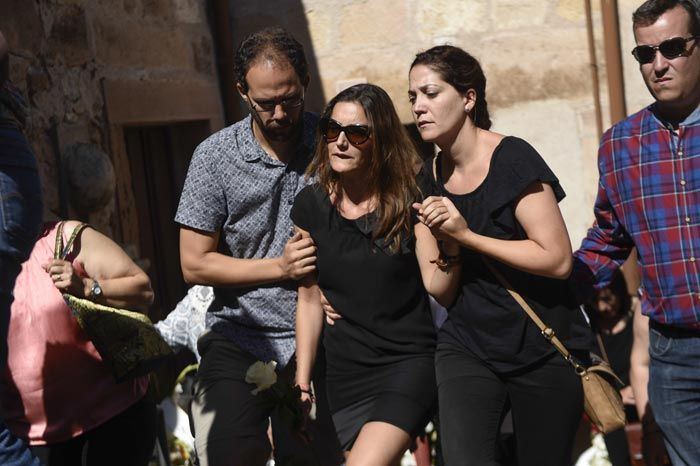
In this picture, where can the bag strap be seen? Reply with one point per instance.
(58, 248)
(602, 347)
(547, 332)
(61, 251)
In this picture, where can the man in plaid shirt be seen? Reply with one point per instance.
(649, 197)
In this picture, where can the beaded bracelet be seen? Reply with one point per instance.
(444, 262)
(308, 391)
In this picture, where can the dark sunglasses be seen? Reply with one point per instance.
(331, 129)
(670, 48)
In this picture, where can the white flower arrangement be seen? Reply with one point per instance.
(262, 374)
(596, 455)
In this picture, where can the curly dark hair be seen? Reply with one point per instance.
(649, 11)
(274, 44)
(461, 71)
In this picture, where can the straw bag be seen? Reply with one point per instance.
(127, 341)
(601, 395)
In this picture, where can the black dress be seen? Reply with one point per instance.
(490, 355)
(485, 318)
(380, 356)
(618, 348)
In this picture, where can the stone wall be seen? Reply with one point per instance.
(63, 51)
(534, 53)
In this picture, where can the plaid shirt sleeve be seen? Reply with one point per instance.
(606, 245)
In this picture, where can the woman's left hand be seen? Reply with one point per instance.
(627, 395)
(64, 277)
(442, 217)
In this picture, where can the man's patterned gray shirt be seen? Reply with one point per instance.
(235, 187)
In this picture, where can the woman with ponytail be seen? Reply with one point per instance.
(501, 208)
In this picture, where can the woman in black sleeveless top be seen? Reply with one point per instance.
(490, 357)
(611, 315)
(374, 266)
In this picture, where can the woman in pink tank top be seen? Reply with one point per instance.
(57, 392)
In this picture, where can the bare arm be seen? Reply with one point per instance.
(547, 249)
(309, 324)
(123, 283)
(639, 360)
(442, 284)
(202, 264)
(653, 448)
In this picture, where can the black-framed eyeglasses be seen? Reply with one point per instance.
(670, 48)
(331, 129)
(269, 106)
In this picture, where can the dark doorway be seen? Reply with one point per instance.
(159, 157)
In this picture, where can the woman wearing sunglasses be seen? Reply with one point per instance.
(375, 261)
(490, 357)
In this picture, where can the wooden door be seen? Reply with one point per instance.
(159, 157)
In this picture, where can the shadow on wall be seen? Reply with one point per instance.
(250, 16)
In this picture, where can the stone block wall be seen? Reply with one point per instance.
(62, 51)
(534, 53)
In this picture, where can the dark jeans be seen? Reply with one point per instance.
(674, 390)
(546, 402)
(20, 221)
(126, 439)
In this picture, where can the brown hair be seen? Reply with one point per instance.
(391, 174)
(618, 287)
(650, 11)
(274, 44)
(461, 71)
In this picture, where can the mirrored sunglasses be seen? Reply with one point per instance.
(670, 48)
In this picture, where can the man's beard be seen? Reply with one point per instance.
(279, 131)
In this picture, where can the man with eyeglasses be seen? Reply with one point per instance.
(649, 197)
(236, 236)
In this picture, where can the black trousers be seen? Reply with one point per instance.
(616, 441)
(127, 438)
(546, 401)
(231, 422)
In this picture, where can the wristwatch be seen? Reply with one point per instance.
(95, 289)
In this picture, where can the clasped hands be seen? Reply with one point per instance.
(442, 217)
(446, 224)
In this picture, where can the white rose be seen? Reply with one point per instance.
(600, 457)
(262, 374)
